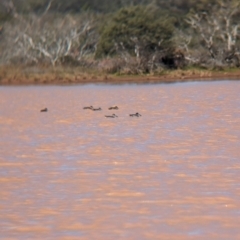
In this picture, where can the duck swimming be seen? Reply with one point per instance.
(44, 110)
(113, 108)
(96, 109)
(111, 116)
(90, 107)
(135, 115)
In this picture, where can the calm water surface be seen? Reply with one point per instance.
(72, 174)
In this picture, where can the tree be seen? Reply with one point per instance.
(49, 39)
(140, 35)
(138, 30)
(219, 31)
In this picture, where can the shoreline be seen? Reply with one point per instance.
(68, 76)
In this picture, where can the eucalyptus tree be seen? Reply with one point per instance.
(217, 31)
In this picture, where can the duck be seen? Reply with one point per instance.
(90, 107)
(135, 115)
(113, 108)
(111, 116)
(96, 109)
(44, 110)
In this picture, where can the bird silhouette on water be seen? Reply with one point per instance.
(135, 115)
(44, 110)
(96, 109)
(111, 116)
(90, 107)
(113, 108)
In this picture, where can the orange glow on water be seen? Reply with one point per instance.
(71, 173)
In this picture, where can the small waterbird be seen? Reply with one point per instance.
(111, 116)
(44, 110)
(113, 108)
(135, 115)
(96, 109)
(90, 107)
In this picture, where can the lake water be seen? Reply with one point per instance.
(69, 173)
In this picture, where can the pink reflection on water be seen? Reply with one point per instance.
(71, 173)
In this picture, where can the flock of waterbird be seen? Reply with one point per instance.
(111, 108)
(99, 109)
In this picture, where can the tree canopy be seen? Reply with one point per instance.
(136, 28)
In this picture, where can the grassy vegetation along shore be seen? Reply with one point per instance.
(70, 75)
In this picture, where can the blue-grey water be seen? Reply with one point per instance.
(69, 173)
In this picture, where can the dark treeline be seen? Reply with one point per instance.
(126, 36)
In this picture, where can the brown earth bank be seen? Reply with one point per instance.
(66, 76)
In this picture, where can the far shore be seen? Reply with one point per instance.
(66, 76)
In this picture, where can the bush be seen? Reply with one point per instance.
(137, 30)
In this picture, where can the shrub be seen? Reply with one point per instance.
(138, 30)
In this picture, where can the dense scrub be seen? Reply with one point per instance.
(135, 29)
(129, 37)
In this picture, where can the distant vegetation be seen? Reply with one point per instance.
(121, 36)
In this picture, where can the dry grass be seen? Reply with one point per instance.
(10, 75)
